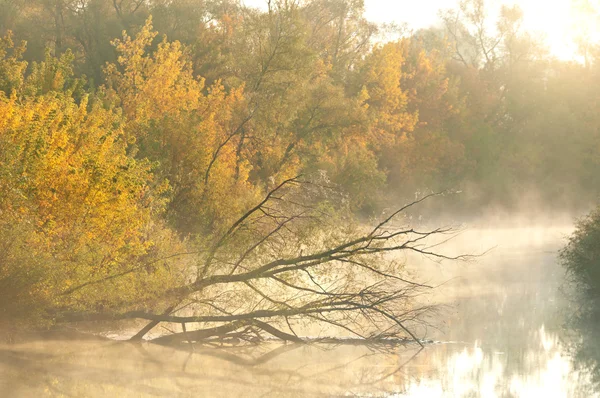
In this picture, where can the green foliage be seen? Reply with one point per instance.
(581, 259)
(581, 256)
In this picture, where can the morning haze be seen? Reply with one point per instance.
(299, 198)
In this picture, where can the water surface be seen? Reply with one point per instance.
(503, 333)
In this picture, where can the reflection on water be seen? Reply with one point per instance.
(544, 370)
(502, 335)
(99, 369)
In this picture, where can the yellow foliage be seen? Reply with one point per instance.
(189, 129)
(383, 76)
(83, 206)
(12, 67)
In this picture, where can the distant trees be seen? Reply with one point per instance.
(518, 125)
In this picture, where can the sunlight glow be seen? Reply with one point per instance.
(552, 20)
(546, 372)
(560, 23)
(556, 21)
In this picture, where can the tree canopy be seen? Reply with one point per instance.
(158, 157)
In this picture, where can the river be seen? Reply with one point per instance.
(502, 332)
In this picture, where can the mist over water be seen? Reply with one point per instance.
(203, 198)
(502, 331)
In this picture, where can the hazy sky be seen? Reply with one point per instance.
(551, 18)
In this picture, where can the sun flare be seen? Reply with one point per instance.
(562, 23)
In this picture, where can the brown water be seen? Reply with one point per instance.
(502, 335)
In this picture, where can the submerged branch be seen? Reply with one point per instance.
(259, 274)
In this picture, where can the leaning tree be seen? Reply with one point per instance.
(294, 263)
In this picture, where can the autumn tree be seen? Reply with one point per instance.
(150, 155)
(75, 206)
(297, 262)
(191, 132)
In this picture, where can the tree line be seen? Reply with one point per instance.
(155, 153)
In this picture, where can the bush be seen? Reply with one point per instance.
(581, 256)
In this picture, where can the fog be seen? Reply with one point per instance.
(201, 197)
(500, 332)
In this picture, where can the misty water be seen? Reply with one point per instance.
(503, 332)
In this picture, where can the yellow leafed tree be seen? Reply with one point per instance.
(76, 209)
(192, 132)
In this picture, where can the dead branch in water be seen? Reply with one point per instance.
(290, 261)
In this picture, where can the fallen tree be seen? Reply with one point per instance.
(293, 265)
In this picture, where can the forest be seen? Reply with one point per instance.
(203, 162)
